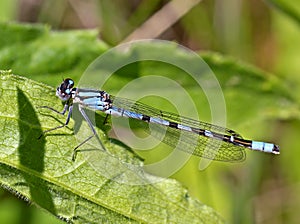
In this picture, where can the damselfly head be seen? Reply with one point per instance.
(64, 91)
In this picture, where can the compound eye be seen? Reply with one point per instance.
(64, 91)
(69, 82)
(66, 86)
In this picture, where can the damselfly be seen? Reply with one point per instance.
(200, 138)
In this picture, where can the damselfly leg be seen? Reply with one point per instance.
(84, 115)
(66, 107)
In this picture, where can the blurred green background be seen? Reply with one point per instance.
(263, 189)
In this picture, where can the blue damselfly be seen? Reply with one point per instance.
(200, 139)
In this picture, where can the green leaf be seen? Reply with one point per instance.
(45, 55)
(287, 8)
(41, 170)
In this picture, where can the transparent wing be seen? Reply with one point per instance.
(189, 142)
(198, 145)
(144, 109)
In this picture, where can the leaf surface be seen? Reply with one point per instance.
(41, 170)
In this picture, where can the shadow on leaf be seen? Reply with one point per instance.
(31, 152)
